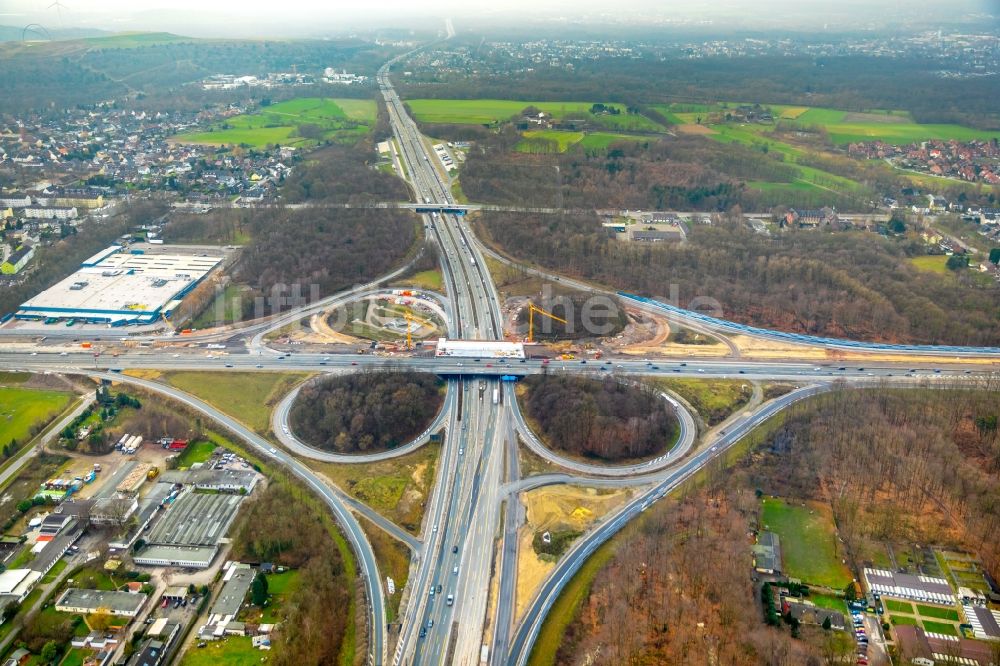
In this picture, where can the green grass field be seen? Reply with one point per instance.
(939, 612)
(431, 279)
(808, 542)
(714, 400)
(21, 408)
(538, 140)
(933, 263)
(196, 452)
(940, 628)
(339, 119)
(247, 396)
(601, 140)
(828, 601)
(896, 606)
(905, 619)
(232, 651)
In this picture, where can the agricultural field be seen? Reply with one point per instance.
(21, 408)
(285, 123)
(843, 127)
(808, 541)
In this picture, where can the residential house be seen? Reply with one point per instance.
(17, 260)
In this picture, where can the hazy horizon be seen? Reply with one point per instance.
(298, 18)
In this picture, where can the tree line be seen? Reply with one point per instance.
(849, 284)
(279, 527)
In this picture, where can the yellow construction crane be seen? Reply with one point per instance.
(409, 336)
(532, 309)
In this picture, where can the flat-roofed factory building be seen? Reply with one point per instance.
(121, 287)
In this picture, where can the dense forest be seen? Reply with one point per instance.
(326, 250)
(678, 591)
(599, 419)
(295, 256)
(845, 284)
(854, 83)
(668, 173)
(154, 70)
(342, 174)
(278, 526)
(366, 411)
(897, 466)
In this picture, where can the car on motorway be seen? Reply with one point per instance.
(435, 529)
(354, 362)
(430, 623)
(454, 549)
(423, 632)
(259, 365)
(455, 570)
(273, 451)
(450, 600)
(439, 589)
(461, 451)
(229, 365)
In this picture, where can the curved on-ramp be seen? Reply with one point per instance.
(283, 431)
(685, 439)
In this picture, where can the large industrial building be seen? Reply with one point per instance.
(121, 287)
(189, 532)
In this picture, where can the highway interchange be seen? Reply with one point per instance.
(472, 516)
